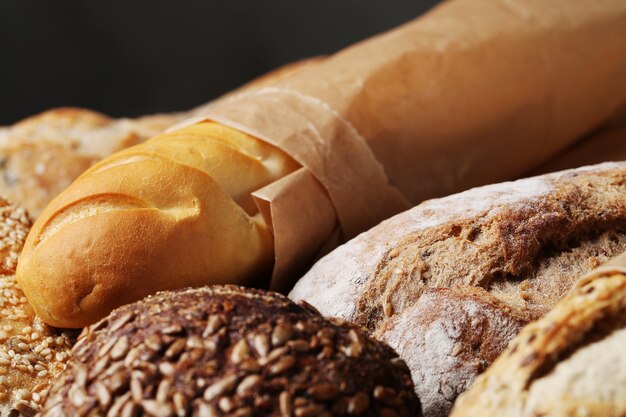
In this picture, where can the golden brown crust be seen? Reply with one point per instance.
(569, 363)
(43, 154)
(229, 351)
(173, 212)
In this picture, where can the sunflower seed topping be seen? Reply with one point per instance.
(229, 352)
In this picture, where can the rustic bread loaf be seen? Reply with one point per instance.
(31, 353)
(523, 243)
(229, 351)
(569, 363)
(41, 155)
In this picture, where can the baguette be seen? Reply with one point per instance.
(175, 197)
(451, 281)
(569, 363)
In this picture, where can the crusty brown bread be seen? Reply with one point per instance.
(229, 351)
(569, 363)
(40, 156)
(31, 353)
(184, 195)
(523, 243)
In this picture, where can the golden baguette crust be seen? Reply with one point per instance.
(569, 363)
(42, 155)
(172, 207)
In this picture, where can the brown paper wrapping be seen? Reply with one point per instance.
(607, 143)
(475, 91)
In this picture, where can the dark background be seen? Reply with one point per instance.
(134, 57)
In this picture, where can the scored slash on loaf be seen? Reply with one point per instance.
(41, 155)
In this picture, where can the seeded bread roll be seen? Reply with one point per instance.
(218, 351)
(31, 353)
(522, 244)
(569, 363)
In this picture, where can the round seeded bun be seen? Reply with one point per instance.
(229, 351)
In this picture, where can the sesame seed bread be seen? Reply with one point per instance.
(31, 353)
(570, 363)
(229, 351)
(522, 244)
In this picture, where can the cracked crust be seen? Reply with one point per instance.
(569, 363)
(523, 243)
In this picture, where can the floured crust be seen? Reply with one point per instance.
(569, 363)
(447, 337)
(524, 243)
(480, 237)
(32, 354)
